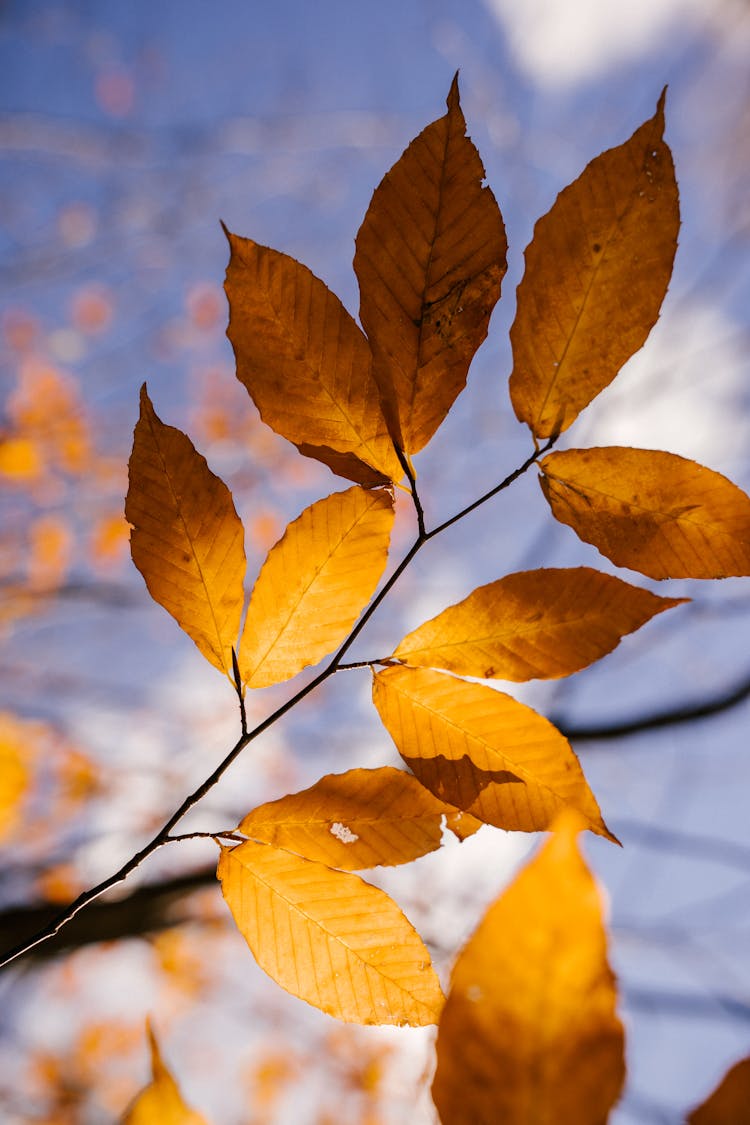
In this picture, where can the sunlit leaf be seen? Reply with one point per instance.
(654, 512)
(305, 363)
(161, 1103)
(314, 584)
(430, 260)
(537, 624)
(329, 938)
(187, 539)
(354, 820)
(483, 751)
(596, 273)
(729, 1104)
(529, 1031)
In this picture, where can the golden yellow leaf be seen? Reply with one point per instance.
(314, 584)
(529, 1034)
(729, 1104)
(329, 938)
(187, 539)
(483, 751)
(536, 624)
(430, 259)
(596, 273)
(354, 820)
(161, 1103)
(654, 512)
(305, 363)
(14, 776)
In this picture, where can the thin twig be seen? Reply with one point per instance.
(406, 465)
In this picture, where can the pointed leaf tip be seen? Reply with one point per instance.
(453, 101)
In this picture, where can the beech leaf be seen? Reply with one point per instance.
(729, 1104)
(329, 938)
(482, 751)
(654, 512)
(597, 270)
(305, 363)
(430, 259)
(529, 1031)
(354, 820)
(536, 624)
(314, 584)
(160, 1103)
(187, 539)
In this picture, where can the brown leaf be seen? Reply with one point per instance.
(314, 584)
(430, 259)
(729, 1104)
(354, 820)
(305, 362)
(596, 273)
(482, 751)
(654, 512)
(187, 539)
(536, 624)
(329, 938)
(529, 1031)
(160, 1103)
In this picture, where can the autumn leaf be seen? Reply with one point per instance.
(305, 363)
(597, 270)
(654, 512)
(160, 1103)
(354, 820)
(329, 938)
(483, 751)
(729, 1104)
(187, 539)
(536, 624)
(430, 259)
(314, 584)
(529, 1031)
(14, 774)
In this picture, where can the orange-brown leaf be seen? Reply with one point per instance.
(314, 584)
(354, 820)
(329, 938)
(536, 624)
(729, 1104)
(529, 1031)
(187, 539)
(430, 260)
(161, 1102)
(305, 362)
(654, 512)
(482, 751)
(596, 273)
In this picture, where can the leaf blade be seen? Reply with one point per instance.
(430, 258)
(314, 584)
(187, 539)
(482, 751)
(535, 624)
(529, 1031)
(728, 1103)
(597, 270)
(328, 937)
(160, 1103)
(655, 512)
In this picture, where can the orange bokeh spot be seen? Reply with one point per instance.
(206, 305)
(20, 459)
(50, 550)
(92, 309)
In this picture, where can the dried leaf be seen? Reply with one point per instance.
(305, 362)
(160, 1103)
(431, 255)
(729, 1104)
(329, 938)
(597, 270)
(354, 820)
(187, 539)
(536, 624)
(483, 751)
(654, 512)
(314, 584)
(529, 1031)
